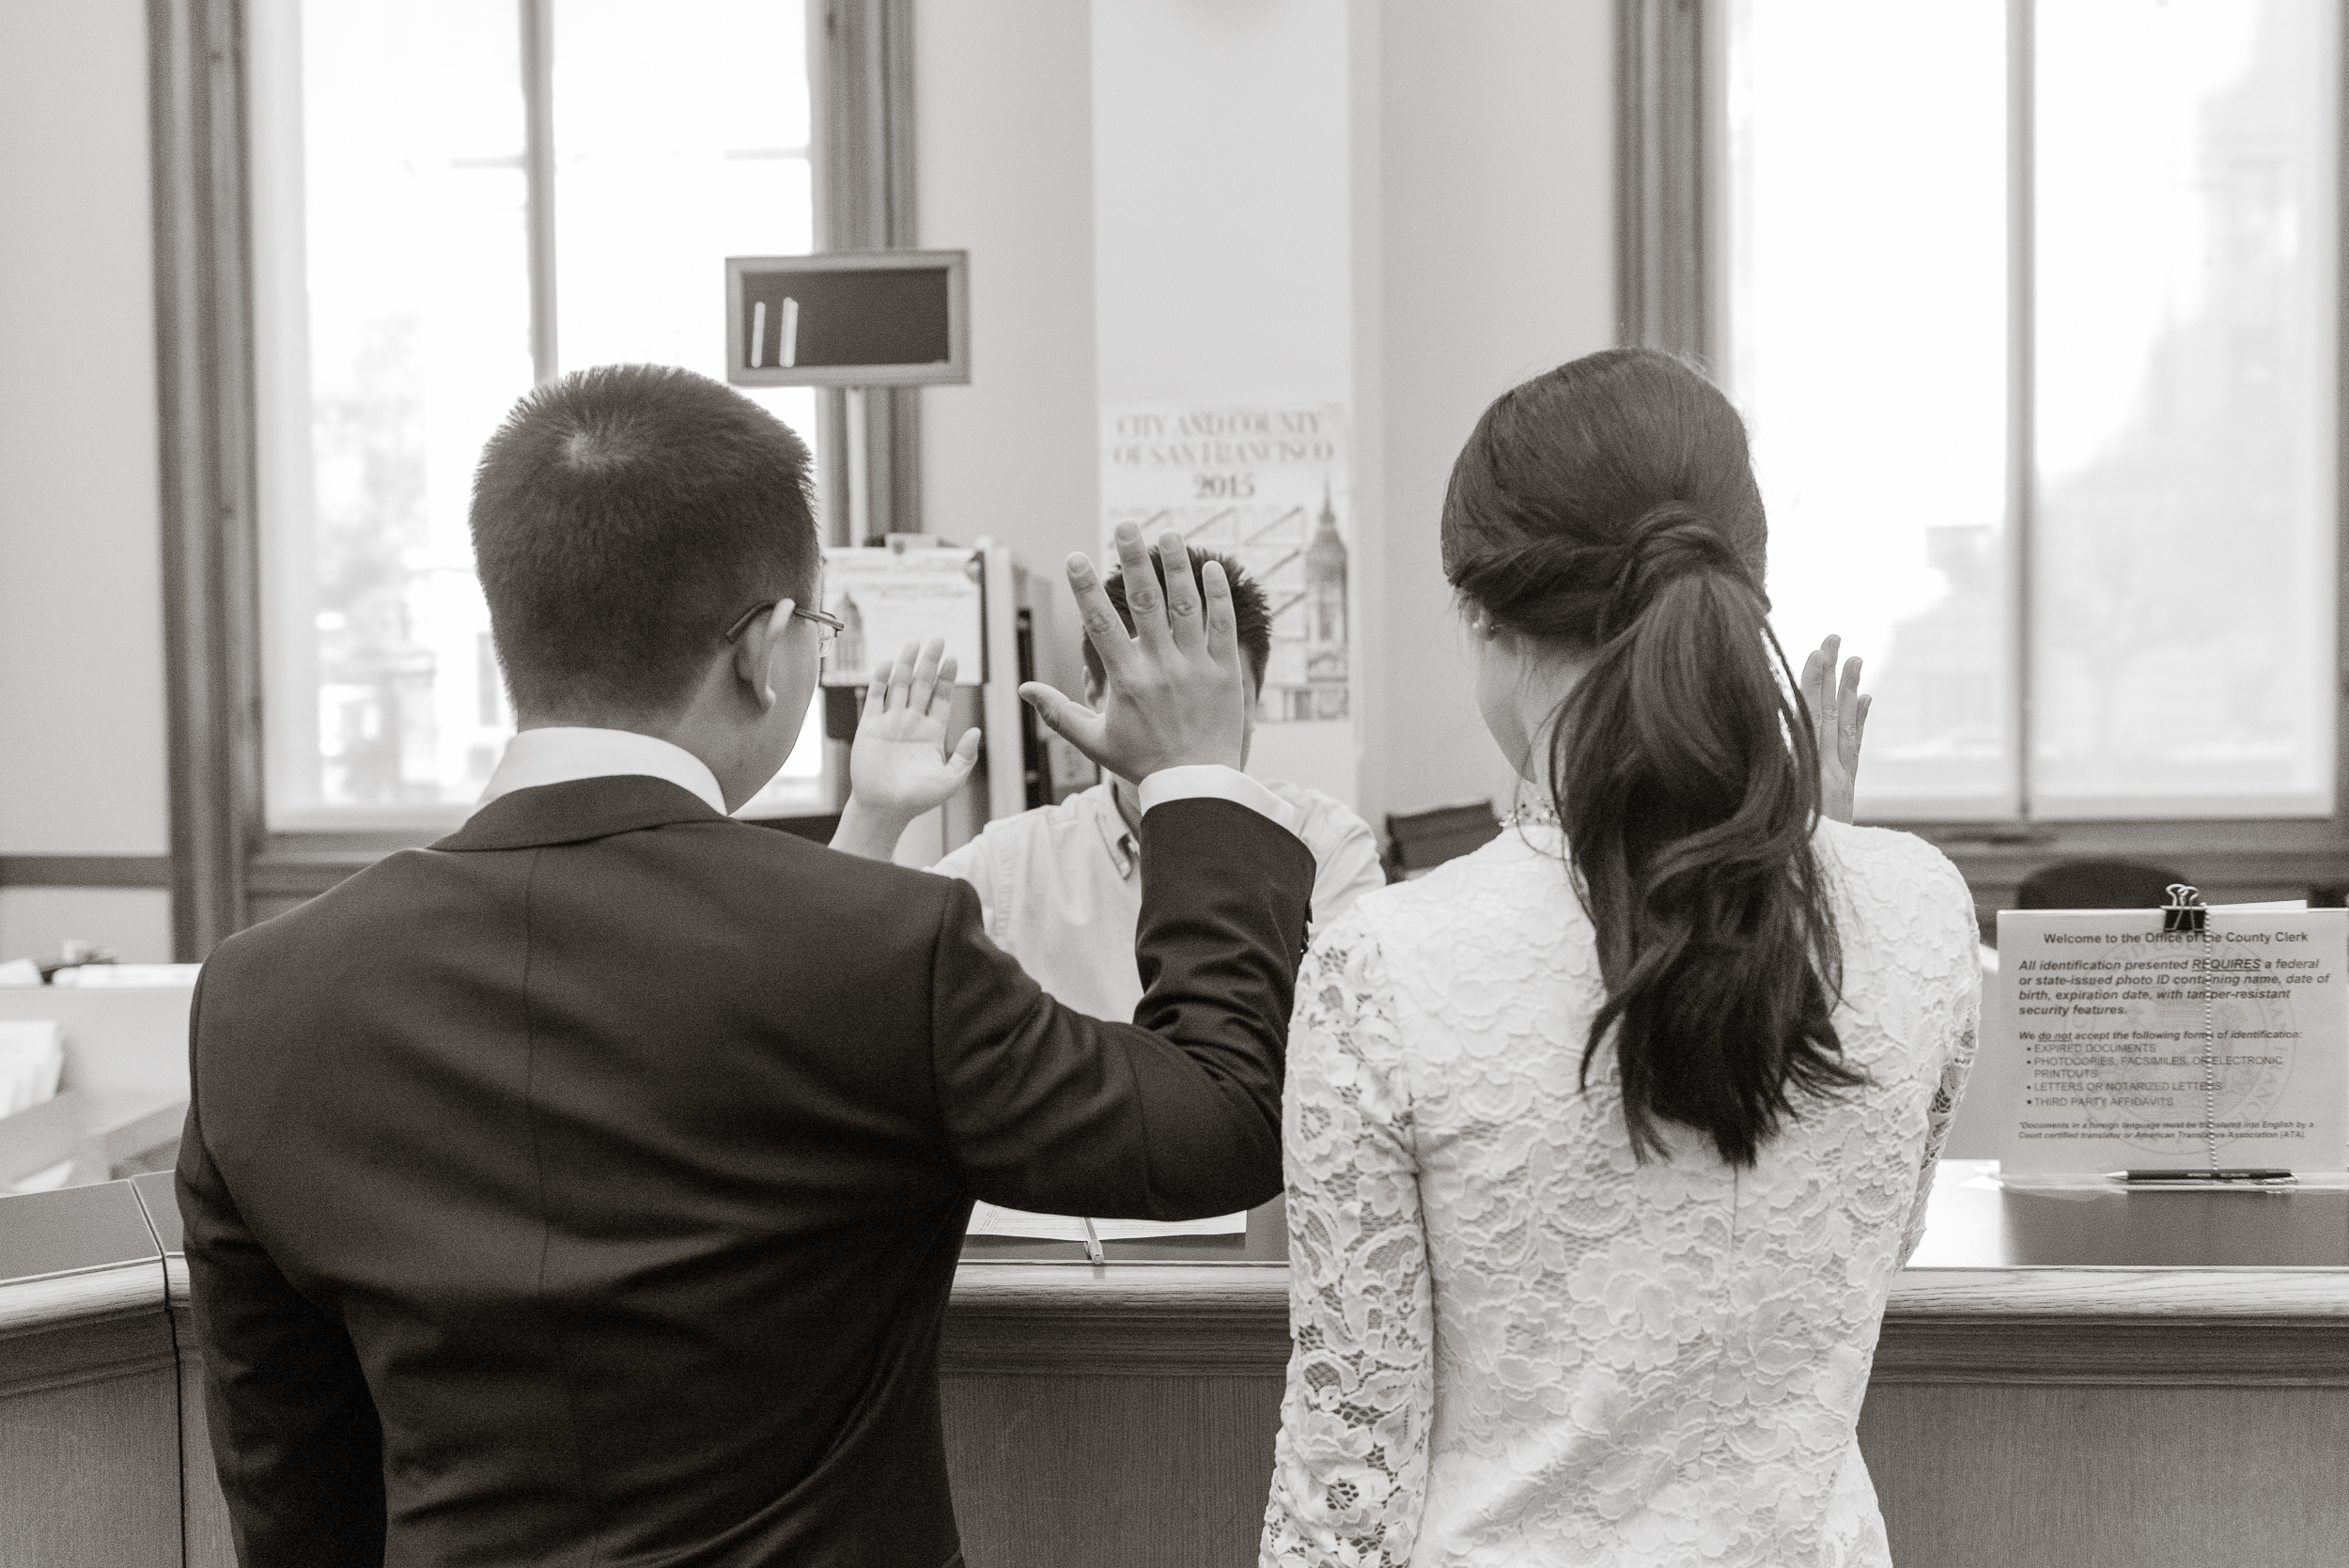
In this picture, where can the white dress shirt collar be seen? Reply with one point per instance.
(561, 754)
(1117, 837)
(1190, 783)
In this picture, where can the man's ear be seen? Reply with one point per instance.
(757, 650)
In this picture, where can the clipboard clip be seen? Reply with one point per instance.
(2186, 910)
(2254, 1177)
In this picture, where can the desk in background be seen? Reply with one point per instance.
(124, 1091)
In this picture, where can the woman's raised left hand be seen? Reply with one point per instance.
(1839, 718)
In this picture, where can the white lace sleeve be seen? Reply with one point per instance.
(1350, 1467)
(1960, 1023)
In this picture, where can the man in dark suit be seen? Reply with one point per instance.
(586, 1189)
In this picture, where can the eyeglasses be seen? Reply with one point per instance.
(827, 628)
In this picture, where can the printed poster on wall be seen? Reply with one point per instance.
(1267, 485)
(2146, 1048)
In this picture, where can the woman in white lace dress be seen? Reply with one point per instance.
(1606, 1142)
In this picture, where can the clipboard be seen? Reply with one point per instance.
(2186, 1046)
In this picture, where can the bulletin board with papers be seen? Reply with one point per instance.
(885, 599)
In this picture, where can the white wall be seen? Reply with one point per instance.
(1404, 205)
(136, 923)
(82, 742)
(1003, 157)
(1496, 261)
(1223, 240)
(1221, 159)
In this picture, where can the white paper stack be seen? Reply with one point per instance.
(990, 1220)
(32, 1059)
(118, 977)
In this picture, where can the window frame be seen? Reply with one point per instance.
(1671, 194)
(228, 868)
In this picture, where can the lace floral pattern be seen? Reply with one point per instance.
(1515, 1344)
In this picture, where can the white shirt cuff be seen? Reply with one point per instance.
(1209, 780)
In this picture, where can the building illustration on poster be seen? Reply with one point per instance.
(1267, 487)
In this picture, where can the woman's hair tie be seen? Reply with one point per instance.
(1670, 541)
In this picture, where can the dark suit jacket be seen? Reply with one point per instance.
(588, 1187)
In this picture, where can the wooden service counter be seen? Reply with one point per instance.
(2100, 1379)
(103, 1462)
(2089, 1379)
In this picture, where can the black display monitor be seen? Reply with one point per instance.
(848, 319)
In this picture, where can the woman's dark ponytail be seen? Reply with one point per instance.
(1609, 507)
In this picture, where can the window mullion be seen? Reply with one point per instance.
(2022, 480)
(538, 24)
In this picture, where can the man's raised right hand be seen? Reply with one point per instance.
(1176, 693)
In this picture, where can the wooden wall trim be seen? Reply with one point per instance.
(2150, 1326)
(862, 55)
(2239, 1296)
(2233, 1327)
(1124, 1319)
(204, 381)
(865, 197)
(210, 1540)
(109, 1290)
(2135, 1351)
(1663, 259)
(303, 865)
(84, 871)
(83, 1326)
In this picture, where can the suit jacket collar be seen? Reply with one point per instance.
(578, 810)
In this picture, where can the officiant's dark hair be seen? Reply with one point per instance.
(1609, 507)
(623, 519)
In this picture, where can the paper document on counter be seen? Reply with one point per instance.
(2139, 1047)
(991, 1219)
(32, 1059)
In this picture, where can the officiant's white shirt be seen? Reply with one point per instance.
(1061, 886)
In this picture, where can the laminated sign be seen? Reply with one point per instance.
(2187, 1038)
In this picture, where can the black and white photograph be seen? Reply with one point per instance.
(1173, 783)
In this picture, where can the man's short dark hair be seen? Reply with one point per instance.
(1250, 615)
(623, 519)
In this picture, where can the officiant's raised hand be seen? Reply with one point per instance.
(1838, 721)
(1176, 693)
(900, 764)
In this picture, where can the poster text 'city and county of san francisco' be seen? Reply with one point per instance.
(1266, 486)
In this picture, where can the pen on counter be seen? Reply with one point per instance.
(1093, 1242)
(2239, 1175)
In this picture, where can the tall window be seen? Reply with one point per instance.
(452, 200)
(2032, 310)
